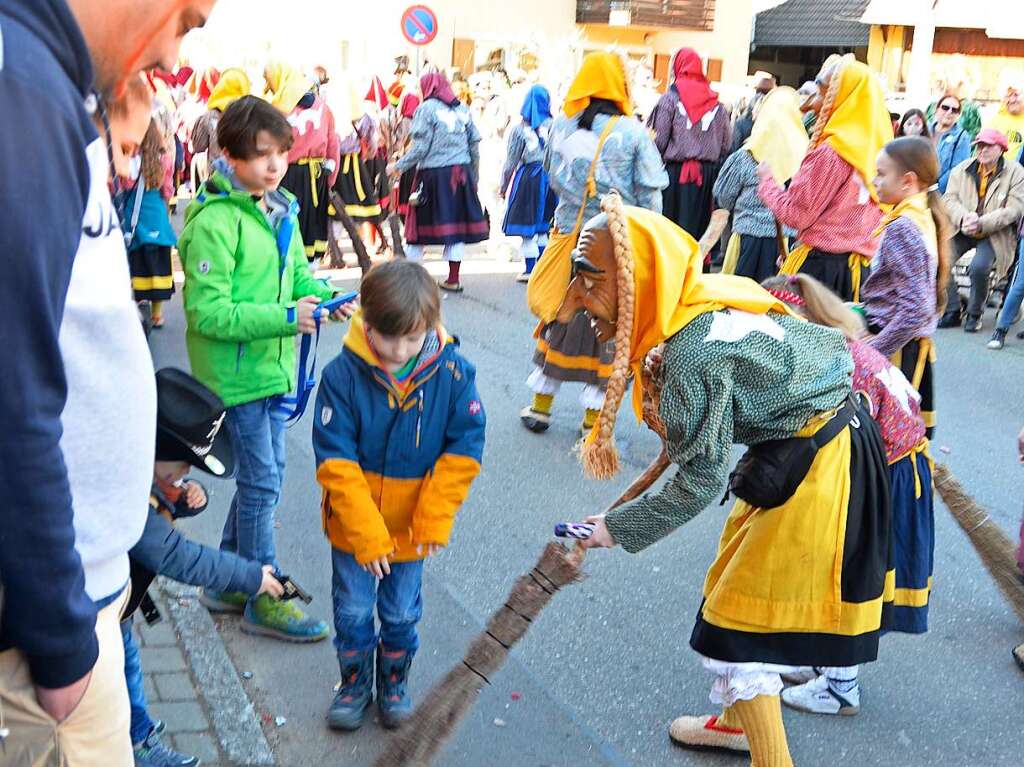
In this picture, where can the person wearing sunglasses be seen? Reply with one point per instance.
(952, 142)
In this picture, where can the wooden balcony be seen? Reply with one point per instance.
(651, 14)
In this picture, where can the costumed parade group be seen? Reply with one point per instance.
(813, 348)
(823, 372)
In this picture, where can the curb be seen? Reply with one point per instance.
(232, 713)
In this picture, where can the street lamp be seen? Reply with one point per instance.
(619, 13)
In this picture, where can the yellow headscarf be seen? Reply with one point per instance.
(601, 76)
(233, 84)
(670, 291)
(778, 136)
(286, 85)
(915, 209)
(859, 124)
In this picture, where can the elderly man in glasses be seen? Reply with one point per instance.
(952, 142)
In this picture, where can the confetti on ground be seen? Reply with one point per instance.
(280, 721)
(246, 675)
(516, 696)
(945, 450)
(499, 722)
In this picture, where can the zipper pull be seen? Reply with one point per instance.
(419, 420)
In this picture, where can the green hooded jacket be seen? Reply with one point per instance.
(241, 289)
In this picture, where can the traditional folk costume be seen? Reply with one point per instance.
(149, 252)
(397, 141)
(314, 156)
(899, 296)
(233, 85)
(531, 200)
(693, 134)
(591, 150)
(831, 201)
(445, 153)
(737, 367)
(778, 138)
(356, 184)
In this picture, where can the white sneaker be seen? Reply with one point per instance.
(818, 697)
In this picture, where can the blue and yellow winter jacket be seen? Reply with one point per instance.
(395, 461)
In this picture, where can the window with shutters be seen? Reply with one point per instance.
(668, 14)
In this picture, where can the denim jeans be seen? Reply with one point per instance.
(257, 435)
(981, 265)
(397, 598)
(1015, 295)
(142, 725)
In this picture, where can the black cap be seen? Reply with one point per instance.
(190, 418)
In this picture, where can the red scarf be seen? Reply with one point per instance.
(692, 86)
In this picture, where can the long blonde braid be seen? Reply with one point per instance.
(599, 456)
(828, 105)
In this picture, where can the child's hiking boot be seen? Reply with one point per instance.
(355, 691)
(152, 753)
(393, 701)
(706, 733)
(281, 619)
(223, 601)
(823, 696)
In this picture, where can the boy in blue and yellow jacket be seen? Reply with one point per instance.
(398, 436)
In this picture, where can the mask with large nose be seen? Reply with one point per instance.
(594, 285)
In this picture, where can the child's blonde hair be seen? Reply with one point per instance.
(816, 302)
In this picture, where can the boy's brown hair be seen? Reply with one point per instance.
(400, 297)
(244, 120)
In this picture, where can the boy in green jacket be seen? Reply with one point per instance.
(248, 292)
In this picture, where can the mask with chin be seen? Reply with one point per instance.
(594, 285)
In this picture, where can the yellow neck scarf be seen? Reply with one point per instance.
(233, 84)
(859, 125)
(600, 77)
(778, 136)
(915, 209)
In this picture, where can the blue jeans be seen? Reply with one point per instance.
(398, 600)
(258, 438)
(1015, 295)
(142, 725)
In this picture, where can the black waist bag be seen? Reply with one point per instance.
(769, 472)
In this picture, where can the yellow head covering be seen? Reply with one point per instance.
(670, 291)
(285, 85)
(233, 84)
(778, 136)
(859, 124)
(601, 76)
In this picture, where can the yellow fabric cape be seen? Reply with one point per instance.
(286, 86)
(859, 125)
(915, 208)
(233, 84)
(779, 137)
(671, 291)
(601, 76)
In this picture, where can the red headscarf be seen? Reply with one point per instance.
(436, 86)
(691, 84)
(410, 101)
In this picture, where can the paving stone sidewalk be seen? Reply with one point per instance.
(214, 720)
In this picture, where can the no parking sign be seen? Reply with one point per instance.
(419, 24)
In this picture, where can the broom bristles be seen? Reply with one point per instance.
(438, 714)
(995, 549)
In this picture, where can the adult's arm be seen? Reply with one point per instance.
(333, 146)
(664, 114)
(46, 612)
(820, 177)
(955, 207)
(1013, 209)
(421, 135)
(649, 175)
(513, 155)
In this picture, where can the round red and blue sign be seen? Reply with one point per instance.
(419, 25)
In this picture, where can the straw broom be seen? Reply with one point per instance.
(997, 551)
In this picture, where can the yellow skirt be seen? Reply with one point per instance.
(805, 583)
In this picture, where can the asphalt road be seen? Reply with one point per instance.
(607, 666)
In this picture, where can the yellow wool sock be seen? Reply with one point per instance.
(729, 720)
(542, 403)
(590, 418)
(157, 309)
(761, 719)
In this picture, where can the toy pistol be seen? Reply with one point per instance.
(292, 590)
